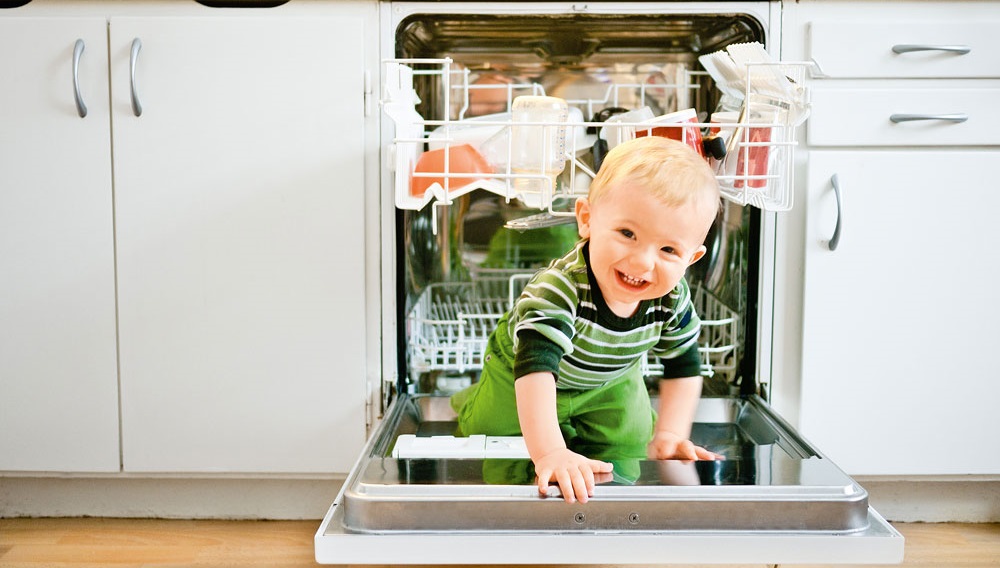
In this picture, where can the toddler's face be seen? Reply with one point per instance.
(640, 246)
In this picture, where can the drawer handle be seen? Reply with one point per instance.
(81, 108)
(133, 58)
(956, 117)
(835, 239)
(907, 48)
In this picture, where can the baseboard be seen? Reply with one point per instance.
(184, 498)
(935, 500)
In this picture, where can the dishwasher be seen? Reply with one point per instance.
(494, 119)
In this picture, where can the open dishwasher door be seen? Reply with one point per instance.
(462, 245)
(773, 500)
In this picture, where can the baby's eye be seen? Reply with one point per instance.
(668, 250)
(628, 234)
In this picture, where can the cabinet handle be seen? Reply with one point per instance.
(81, 109)
(835, 239)
(956, 117)
(907, 48)
(136, 46)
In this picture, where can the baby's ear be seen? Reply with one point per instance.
(697, 254)
(583, 217)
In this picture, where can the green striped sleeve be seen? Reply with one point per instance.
(542, 320)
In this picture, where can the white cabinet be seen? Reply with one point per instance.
(899, 321)
(58, 375)
(240, 214)
(230, 224)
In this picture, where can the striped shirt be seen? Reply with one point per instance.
(561, 324)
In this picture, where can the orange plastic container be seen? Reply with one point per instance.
(465, 165)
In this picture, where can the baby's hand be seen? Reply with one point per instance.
(575, 474)
(670, 446)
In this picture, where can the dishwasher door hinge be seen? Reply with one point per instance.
(368, 93)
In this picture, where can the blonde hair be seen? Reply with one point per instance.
(668, 169)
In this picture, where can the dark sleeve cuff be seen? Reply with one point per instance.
(535, 353)
(687, 364)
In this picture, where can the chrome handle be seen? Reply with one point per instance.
(835, 239)
(907, 48)
(81, 109)
(136, 46)
(955, 117)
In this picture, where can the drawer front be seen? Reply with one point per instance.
(864, 49)
(863, 117)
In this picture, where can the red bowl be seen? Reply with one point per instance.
(465, 165)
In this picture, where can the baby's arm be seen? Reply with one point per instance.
(536, 411)
(678, 403)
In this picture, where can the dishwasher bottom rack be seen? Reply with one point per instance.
(449, 325)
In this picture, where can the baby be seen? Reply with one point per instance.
(563, 366)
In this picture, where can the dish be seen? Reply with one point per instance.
(465, 165)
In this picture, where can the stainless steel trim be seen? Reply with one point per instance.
(133, 58)
(880, 543)
(81, 108)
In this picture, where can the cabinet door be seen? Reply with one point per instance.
(240, 220)
(900, 320)
(58, 374)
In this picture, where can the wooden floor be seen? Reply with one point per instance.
(125, 543)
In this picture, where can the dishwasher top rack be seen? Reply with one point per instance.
(757, 169)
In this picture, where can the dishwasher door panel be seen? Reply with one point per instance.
(773, 500)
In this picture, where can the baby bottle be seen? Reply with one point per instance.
(538, 146)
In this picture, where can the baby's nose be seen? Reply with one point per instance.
(643, 260)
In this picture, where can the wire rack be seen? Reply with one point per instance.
(448, 326)
(757, 169)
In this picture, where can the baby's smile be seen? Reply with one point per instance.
(631, 281)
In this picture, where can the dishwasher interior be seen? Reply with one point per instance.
(470, 232)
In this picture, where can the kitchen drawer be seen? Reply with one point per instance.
(861, 117)
(853, 49)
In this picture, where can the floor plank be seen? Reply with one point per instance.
(148, 543)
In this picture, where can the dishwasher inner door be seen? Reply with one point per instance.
(768, 481)
(773, 499)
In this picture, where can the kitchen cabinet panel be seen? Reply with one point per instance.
(58, 369)
(960, 43)
(863, 117)
(240, 252)
(898, 320)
